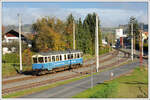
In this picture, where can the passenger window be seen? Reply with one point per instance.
(45, 59)
(68, 56)
(75, 56)
(34, 60)
(49, 59)
(53, 58)
(40, 59)
(60, 58)
(65, 57)
(71, 56)
(78, 55)
(57, 58)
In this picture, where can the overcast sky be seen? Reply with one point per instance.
(111, 14)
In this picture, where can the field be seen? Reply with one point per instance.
(133, 85)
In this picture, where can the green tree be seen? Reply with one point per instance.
(135, 27)
(90, 23)
(69, 31)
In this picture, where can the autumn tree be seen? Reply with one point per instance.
(27, 57)
(47, 37)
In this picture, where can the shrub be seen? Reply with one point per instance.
(10, 58)
(27, 55)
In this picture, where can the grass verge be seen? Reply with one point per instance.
(12, 69)
(134, 85)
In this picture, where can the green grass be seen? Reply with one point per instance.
(129, 86)
(9, 69)
(10, 63)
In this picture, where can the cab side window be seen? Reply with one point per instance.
(35, 60)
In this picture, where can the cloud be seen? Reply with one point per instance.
(112, 17)
(108, 17)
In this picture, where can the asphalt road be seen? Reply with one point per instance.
(71, 89)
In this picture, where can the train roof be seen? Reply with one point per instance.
(56, 52)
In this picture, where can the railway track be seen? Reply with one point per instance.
(12, 77)
(34, 77)
(31, 85)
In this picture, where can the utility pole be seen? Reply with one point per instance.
(96, 44)
(132, 41)
(91, 77)
(20, 51)
(74, 35)
(141, 58)
(142, 39)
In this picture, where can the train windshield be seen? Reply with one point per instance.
(34, 60)
(40, 59)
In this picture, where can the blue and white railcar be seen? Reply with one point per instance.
(53, 60)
